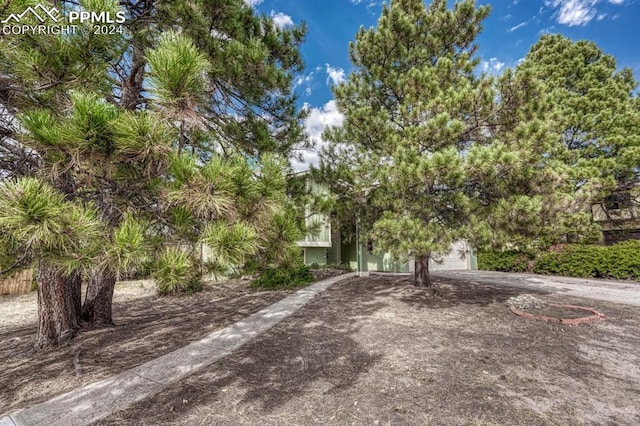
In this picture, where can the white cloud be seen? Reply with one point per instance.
(306, 81)
(315, 123)
(336, 75)
(578, 12)
(547, 30)
(517, 27)
(302, 79)
(492, 65)
(281, 20)
(252, 3)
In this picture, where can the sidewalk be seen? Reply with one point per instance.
(98, 400)
(624, 292)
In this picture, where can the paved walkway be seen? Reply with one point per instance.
(625, 292)
(97, 400)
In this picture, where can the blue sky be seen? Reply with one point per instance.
(510, 30)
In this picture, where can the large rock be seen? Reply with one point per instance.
(526, 301)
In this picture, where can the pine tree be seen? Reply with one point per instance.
(411, 107)
(143, 131)
(432, 151)
(594, 112)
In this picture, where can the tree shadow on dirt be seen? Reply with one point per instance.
(313, 347)
(319, 353)
(450, 293)
(145, 329)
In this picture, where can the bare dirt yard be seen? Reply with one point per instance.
(147, 326)
(367, 351)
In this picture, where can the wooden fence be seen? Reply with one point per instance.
(17, 283)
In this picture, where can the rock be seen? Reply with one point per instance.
(526, 301)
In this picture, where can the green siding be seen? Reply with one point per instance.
(473, 259)
(349, 255)
(320, 222)
(383, 262)
(315, 255)
(375, 262)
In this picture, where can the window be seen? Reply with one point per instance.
(617, 201)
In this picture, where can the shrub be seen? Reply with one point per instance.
(504, 261)
(343, 266)
(619, 261)
(175, 272)
(623, 260)
(284, 277)
(583, 261)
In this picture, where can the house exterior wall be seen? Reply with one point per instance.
(619, 216)
(461, 257)
(322, 238)
(316, 255)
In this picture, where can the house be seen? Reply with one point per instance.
(316, 245)
(329, 247)
(619, 215)
(461, 256)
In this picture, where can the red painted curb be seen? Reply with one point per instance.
(597, 316)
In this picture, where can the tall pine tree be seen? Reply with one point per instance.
(412, 105)
(125, 125)
(432, 151)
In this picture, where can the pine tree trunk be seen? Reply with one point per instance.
(97, 307)
(421, 276)
(57, 308)
(75, 291)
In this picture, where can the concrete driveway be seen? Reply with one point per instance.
(625, 292)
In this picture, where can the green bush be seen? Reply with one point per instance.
(284, 277)
(619, 261)
(504, 261)
(343, 266)
(175, 272)
(624, 260)
(574, 261)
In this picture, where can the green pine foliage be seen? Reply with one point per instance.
(410, 106)
(287, 277)
(38, 223)
(174, 272)
(136, 138)
(594, 111)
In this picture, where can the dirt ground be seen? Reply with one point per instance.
(147, 326)
(369, 351)
(378, 351)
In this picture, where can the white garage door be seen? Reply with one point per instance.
(458, 258)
